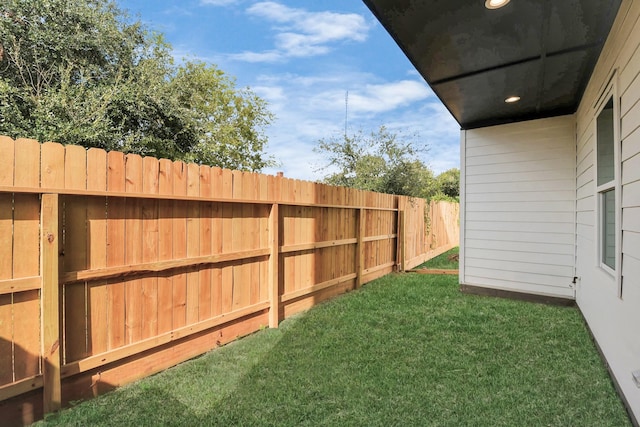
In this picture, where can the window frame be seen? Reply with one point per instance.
(610, 92)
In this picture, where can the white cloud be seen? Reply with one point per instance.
(311, 107)
(367, 99)
(268, 56)
(177, 11)
(219, 2)
(300, 33)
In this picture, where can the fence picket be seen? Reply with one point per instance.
(179, 245)
(75, 253)
(216, 241)
(26, 240)
(98, 341)
(133, 248)
(227, 244)
(115, 249)
(150, 176)
(193, 242)
(165, 246)
(204, 279)
(6, 260)
(52, 165)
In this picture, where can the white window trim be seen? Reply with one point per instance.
(610, 92)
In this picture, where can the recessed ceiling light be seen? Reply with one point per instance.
(495, 4)
(512, 99)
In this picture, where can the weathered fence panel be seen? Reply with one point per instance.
(159, 261)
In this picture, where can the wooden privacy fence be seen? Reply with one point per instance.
(113, 266)
(427, 233)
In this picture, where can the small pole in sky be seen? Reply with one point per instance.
(346, 112)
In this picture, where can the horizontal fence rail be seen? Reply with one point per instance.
(114, 266)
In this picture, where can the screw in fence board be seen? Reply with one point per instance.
(50, 308)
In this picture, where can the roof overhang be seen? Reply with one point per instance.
(473, 58)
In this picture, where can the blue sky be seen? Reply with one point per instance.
(302, 57)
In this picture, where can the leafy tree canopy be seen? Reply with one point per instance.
(448, 183)
(81, 72)
(381, 161)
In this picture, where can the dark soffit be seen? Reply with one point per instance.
(473, 58)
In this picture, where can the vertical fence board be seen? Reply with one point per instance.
(251, 191)
(179, 244)
(26, 234)
(216, 242)
(227, 245)
(26, 240)
(204, 279)
(150, 172)
(97, 244)
(7, 148)
(52, 165)
(6, 337)
(274, 274)
(26, 334)
(298, 235)
(133, 248)
(193, 242)
(27, 163)
(360, 265)
(75, 253)
(115, 249)
(238, 242)
(165, 246)
(6, 235)
(264, 242)
(50, 303)
(6, 260)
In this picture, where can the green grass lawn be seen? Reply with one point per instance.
(443, 261)
(405, 350)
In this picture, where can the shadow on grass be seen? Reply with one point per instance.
(405, 350)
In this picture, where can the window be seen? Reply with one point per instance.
(607, 183)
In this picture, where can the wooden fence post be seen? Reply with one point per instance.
(274, 262)
(50, 303)
(360, 229)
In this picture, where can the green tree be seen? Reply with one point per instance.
(381, 161)
(448, 183)
(80, 72)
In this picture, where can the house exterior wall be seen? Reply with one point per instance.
(518, 204)
(614, 317)
(529, 206)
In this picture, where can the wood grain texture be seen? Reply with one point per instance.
(150, 246)
(115, 249)
(51, 333)
(97, 333)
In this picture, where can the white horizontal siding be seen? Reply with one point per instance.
(513, 246)
(530, 217)
(522, 237)
(612, 319)
(630, 242)
(524, 257)
(528, 196)
(630, 168)
(519, 206)
(523, 166)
